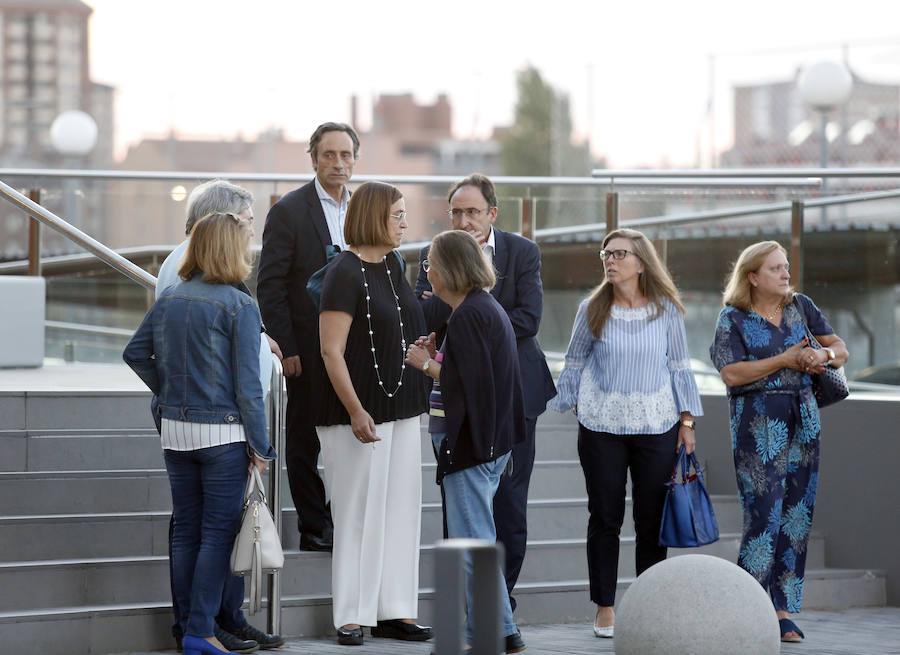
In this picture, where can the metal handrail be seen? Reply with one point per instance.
(90, 329)
(102, 252)
(444, 180)
(717, 214)
(277, 432)
(746, 172)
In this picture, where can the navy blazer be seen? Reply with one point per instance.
(519, 291)
(293, 248)
(480, 386)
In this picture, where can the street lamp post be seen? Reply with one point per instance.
(824, 86)
(73, 135)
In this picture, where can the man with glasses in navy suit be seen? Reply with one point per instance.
(517, 260)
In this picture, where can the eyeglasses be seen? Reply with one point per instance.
(399, 217)
(426, 265)
(470, 212)
(614, 254)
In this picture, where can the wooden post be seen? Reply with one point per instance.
(797, 244)
(526, 217)
(612, 211)
(34, 237)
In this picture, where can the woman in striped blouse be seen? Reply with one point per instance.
(628, 378)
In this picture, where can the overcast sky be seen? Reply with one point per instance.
(637, 73)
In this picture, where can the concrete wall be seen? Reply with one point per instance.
(858, 505)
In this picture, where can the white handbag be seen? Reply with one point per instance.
(257, 547)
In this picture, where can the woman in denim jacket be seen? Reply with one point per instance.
(198, 351)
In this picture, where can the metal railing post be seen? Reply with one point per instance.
(612, 211)
(797, 244)
(278, 405)
(450, 587)
(34, 237)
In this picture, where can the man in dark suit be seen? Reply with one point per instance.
(473, 208)
(299, 230)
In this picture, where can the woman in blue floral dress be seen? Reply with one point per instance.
(761, 351)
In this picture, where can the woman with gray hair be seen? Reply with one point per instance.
(477, 407)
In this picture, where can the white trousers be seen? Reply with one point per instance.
(376, 505)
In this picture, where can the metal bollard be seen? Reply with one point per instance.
(450, 596)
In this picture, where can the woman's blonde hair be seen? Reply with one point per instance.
(654, 282)
(369, 213)
(219, 248)
(460, 262)
(737, 291)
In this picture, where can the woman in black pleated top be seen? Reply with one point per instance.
(368, 423)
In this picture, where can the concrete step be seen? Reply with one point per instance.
(129, 627)
(122, 534)
(67, 536)
(91, 449)
(75, 492)
(75, 582)
(120, 490)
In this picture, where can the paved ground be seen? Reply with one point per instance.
(869, 631)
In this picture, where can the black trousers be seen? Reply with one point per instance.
(511, 506)
(606, 458)
(301, 457)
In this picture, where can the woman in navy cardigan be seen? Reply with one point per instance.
(476, 408)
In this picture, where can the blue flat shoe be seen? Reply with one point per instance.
(199, 646)
(787, 626)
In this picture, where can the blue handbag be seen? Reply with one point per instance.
(688, 518)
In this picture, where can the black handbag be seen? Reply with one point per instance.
(830, 385)
(317, 279)
(688, 518)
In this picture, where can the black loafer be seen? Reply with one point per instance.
(397, 629)
(264, 639)
(235, 644)
(312, 541)
(350, 637)
(514, 643)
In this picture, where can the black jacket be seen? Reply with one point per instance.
(481, 386)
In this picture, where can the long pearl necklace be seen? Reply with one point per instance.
(362, 267)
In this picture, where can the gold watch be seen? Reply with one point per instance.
(688, 423)
(831, 356)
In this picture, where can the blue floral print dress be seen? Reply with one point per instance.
(775, 437)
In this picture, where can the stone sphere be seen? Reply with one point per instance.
(696, 604)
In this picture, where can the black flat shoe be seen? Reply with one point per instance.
(514, 643)
(264, 639)
(397, 629)
(350, 637)
(235, 643)
(312, 541)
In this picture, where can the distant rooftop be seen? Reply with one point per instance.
(37, 5)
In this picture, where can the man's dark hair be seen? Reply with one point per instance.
(332, 127)
(482, 182)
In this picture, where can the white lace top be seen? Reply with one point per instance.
(635, 379)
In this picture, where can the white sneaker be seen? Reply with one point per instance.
(605, 632)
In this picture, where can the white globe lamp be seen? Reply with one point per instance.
(73, 133)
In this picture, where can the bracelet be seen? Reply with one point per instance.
(688, 423)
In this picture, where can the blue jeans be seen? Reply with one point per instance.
(207, 495)
(469, 498)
